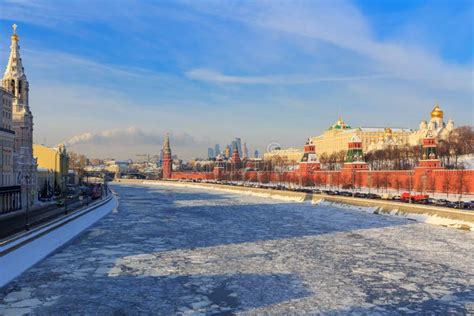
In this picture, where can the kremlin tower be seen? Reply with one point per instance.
(167, 160)
(429, 157)
(235, 156)
(309, 162)
(354, 156)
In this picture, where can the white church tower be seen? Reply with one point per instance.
(24, 164)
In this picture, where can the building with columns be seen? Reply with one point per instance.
(336, 138)
(10, 192)
(24, 164)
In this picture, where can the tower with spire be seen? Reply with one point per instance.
(235, 156)
(15, 81)
(310, 161)
(167, 159)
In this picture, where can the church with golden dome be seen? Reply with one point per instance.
(436, 126)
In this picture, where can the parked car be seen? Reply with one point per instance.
(373, 196)
(440, 202)
(360, 195)
(460, 205)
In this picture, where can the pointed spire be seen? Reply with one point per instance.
(166, 145)
(15, 66)
(235, 153)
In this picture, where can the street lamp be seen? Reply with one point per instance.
(63, 178)
(26, 180)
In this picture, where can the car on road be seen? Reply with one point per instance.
(373, 196)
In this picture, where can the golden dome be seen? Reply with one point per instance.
(388, 131)
(437, 112)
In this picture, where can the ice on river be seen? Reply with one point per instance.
(186, 251)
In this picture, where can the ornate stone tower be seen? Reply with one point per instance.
(235, 156)
(429, 157)
(15, 81)
(309, 162)
(167, 160)
(354, 156)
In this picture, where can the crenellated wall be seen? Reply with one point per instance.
(192, 175)
(417, 180)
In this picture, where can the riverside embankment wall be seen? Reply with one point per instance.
(21, 252)
(424, 213)
(419, 180)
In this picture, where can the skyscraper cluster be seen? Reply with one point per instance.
(228, 150)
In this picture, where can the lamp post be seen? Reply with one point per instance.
(63, 178)
(26, 179)
(409, 185)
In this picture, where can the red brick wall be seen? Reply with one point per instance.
(420, 180)
(192, 175)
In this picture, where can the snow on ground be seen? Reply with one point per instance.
(170, 250)
(61, 231)
(467, 161)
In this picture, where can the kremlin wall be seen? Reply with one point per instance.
(429, 176)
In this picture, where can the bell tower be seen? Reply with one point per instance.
(15, 81)
(14, 78)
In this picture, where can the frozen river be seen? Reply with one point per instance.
(183, 251)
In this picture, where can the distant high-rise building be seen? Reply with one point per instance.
(238, 141)
(227, 152)
(256, 153)
(245, 151)
(210, 153)
(233, 145)
(217, 150)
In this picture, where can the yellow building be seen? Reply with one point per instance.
(288, 155)
(335, 139)
(54, 161)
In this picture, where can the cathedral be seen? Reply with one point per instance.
(436, 127)
(24, 165)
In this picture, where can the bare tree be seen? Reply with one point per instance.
(460, 183)
(447, 182)
(377, 181)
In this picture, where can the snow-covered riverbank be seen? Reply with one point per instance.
(426, 214)
(22, 253)
(183, 251)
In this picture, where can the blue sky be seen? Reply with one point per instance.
(111, 78)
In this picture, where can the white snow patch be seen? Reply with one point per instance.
(271, 195)
(19, 260)
(424, 218)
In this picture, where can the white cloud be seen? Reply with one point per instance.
(131, 136)
(217, 77)
(341, 24)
